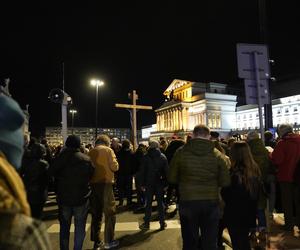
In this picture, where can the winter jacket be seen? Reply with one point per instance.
(199, 169)
(105, 163)
(17, 229)
(261, 157)
(286, 156)
(35, 175)
(126, 162)
(240, 206)
(154, 169)
(171, 149)
(72, 171)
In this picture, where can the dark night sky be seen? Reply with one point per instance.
(132, 46)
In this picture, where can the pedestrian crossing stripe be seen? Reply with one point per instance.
(121, 226)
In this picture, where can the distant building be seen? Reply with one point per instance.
(214, 104)
(87, 135)
(191, 103)
(285, 110)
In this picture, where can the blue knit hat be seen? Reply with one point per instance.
(11, 130)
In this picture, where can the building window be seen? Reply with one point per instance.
(295, 109)
(286, 110)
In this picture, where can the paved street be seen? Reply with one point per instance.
(127, 230)
(131, 237)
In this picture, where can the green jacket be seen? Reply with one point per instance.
(261, 157)
(199, 169)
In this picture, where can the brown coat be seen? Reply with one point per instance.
(105, 162)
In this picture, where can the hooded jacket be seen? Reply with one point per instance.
(154, 168)
(18, 229)
(199, 169)
(286, 156)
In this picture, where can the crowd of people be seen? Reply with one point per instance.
(215, 184)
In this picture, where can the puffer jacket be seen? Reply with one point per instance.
(199, 169)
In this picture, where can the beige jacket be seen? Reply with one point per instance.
(105, 162)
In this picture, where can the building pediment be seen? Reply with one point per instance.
(176, 84)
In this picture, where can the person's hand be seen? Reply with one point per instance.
(143, 189)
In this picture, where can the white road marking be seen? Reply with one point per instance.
(121, 226)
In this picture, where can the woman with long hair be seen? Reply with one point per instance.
(241, 196)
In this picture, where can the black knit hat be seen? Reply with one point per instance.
(73, 141)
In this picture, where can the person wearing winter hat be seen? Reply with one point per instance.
(18, 229)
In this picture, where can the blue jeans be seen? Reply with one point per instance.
(158, 191)
(65, 217)
(196, 216)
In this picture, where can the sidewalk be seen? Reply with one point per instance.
(291, 240)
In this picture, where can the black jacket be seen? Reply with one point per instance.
(126, 162)
(154, 169)
(72, 171)
(240, 206)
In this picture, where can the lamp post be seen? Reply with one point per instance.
(73, 112)
(96, 83)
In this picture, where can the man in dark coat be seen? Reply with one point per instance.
(35, 177)
(154, 173)
(72, 171)
(125, 173)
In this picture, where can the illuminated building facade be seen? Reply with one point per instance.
(285, 110)
(190, 103)
(213, 104)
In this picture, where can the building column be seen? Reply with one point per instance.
(176, 119)
(180, 119)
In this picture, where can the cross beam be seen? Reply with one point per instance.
(133, 107)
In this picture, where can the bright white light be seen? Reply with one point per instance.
(96, 82)
(73, 111)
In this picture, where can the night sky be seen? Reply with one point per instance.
(132, 45)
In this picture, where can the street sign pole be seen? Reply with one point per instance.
(257, 76)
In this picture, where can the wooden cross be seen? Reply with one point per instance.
(133, 107)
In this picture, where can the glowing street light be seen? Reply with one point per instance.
(73, 112)
(96, 83)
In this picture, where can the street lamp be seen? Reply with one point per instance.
(96, 83)
(73, 112)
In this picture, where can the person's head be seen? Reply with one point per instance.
(102, 140)
(44, 141)
(73, 141)
(11, 130)
(214, 135)
(252, 135)
(38, 151)
(284, 129)
(242, 160)
(201, 131)
(153, 144)
(115, 142)
(230, 141)
(268, 136)
(163, 144)
(126, 144)
(218, 146)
